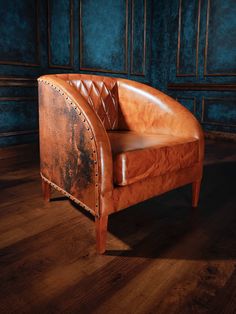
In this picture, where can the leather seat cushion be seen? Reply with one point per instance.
(138, 156)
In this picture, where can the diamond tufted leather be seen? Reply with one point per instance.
(103, 97)
(109, 143)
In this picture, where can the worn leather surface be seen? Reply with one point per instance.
(138, 156)
(66, 153)
(75, 119)
(125, 196)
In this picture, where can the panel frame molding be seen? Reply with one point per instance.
(11, 81)
(178, 74)
(132, 72)
(17, 133)
(18, 98)
(218, 135)
(204, 121)
(202, 86)
(81, 67)
(70, 66)
(37, 44)
(206, 73)
(21, 132)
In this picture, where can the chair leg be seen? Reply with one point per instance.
(46, 189)
(101, 233)
(196, 191)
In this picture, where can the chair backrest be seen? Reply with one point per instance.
(101, 93)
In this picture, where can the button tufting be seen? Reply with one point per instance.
(103, 97)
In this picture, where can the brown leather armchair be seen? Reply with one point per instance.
(109, 143)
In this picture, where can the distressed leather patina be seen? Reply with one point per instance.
(109, 143)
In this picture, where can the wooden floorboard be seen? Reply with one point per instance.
(163, 256)
(225, 303)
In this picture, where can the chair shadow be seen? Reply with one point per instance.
(158, 226)
(9, 183)
(58, 199)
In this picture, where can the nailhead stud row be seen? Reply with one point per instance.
(74, 199)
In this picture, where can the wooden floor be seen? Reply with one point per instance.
(163, 256)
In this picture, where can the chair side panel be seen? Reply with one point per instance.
(66, 150)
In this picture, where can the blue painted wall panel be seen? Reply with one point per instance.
(103, 38)
(217, 32)
(18, 115)
(187, 32)
(60, 31)
(18, 31)
(220, 111)
(138, 36)
(221, 39)
(188, 102)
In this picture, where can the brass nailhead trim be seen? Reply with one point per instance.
(74, 199)
(84, 120)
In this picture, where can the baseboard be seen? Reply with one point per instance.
(221, 136)
(18, 154)
(22, 151)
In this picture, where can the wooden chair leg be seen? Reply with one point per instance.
(46, 188)
(101, 233)
(196, 191)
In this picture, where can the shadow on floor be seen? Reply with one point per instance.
(160, 225)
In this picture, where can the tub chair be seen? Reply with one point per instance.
(109, 143)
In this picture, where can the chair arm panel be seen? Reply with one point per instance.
(146, 110)
(75, 150)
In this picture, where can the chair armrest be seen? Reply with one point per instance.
(74, 146)
(144, 109)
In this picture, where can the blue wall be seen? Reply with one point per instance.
(202, 58)
(186, 48)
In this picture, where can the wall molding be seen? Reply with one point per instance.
(18, 98)
(21, 132)
(37, 44)
(202, 86)
(6, 81)
(215, 135)
(204, 121)
(71, 64)
(17, 133)
(81, 68)
(144, 40)
(206, 73)
(178, 74)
